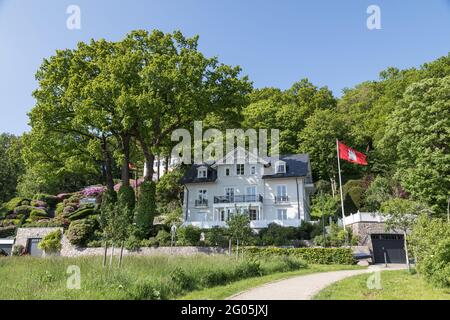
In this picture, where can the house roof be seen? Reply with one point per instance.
(191, 176)
(297, 165)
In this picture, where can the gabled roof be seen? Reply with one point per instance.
(240, 152)
(191, 175)
(297, 165)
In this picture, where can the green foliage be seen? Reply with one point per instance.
(48, 199)
(336, 237)
(146, 208)
(13, 203)
(402, 213)
(23, 210)
(310, 255)
(323, 206)
(430, 243)
(217, 237)
(37, 214)
(239, 228)
(188, 236)
(169, 187)
(8, 231)
(51, 243)
(353, 191)
(163, 238)
(379, 191)
(18, 250)
(11, 165)
(80, 232)
(276, 235)
(82, 213)
(418, 129)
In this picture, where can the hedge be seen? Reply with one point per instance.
(81, 214)
(310, 255)
(8, 231)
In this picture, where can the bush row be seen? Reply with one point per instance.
(310, 255)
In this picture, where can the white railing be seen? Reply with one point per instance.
(363, 217)
(254, 224)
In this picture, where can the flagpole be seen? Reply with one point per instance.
(340, 184)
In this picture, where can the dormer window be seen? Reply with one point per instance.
(202, 172)
(280, 167)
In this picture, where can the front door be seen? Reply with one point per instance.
(32, 247)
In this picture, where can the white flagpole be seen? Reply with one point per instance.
(340, 184)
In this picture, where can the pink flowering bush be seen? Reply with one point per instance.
(93, 191)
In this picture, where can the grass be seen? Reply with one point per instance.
(160, 277)
(225, 291)
(395, 285)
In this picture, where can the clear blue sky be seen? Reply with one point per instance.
(275, 42)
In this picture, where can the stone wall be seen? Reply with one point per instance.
(23, 234)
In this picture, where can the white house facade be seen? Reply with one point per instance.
(269, 190)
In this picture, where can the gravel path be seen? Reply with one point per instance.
(302, 287)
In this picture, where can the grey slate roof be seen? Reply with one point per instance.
(191, 175)
(297, 165)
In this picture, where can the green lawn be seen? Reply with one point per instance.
(223, 292)
(395, 285)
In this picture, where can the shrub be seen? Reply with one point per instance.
(146, 208)
(310, 255)
(436, 267)
(81, 214)
(48, 199)
(80, 231)
(126, 197)
(93, 191)
(18, 250)
(216, 237)
(51, 243)
(188, 236)
(35, 214)
(7, 231)
(38, 203)
(277, 235)
(163, 237)
(13, 203)
(23, 210)
(133, 243)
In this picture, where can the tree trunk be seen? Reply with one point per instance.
(121, 255)
(107, 159)
(111, 257)
(149, 159)
(105, 253)
(166, 168)
(158, 168)
(126, 159)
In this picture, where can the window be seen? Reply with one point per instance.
(281, 194)
(202, 199)
(280, 167)
(282, 214)
(202, 173)
(229, 194)
(240, 169)
(253, 170)
(227, 172)
(251, 193)
(253, 214)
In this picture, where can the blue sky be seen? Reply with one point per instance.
(275, 42)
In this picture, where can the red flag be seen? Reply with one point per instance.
(348, 154)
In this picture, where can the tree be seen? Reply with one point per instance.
(401, 215)
(419, 130)
(239, 229)
(11, 165)
(146, 208)
(379, 191)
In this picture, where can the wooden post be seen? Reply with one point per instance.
(105, 253)
(406, 251)
(121, 255)
(111, 257)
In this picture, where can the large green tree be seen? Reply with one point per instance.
(11, 165)
(419, 130)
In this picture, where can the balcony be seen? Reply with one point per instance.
(239, 199)
(281, 199)
(201, 203)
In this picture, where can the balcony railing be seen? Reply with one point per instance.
(201, 203)
(281, 199)
(239, 198)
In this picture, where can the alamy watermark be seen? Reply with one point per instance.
(74, 277)
(211, 144)
(374, 20)
(73, 22)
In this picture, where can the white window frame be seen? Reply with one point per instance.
(279, 164)
(240, 172)
(230, 188)
(281, 187)
(253, 169)
(202, 173)
(202, 194)
(282, 214)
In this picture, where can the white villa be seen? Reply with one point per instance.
(269, 190)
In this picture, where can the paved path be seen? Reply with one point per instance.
(302, 287)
